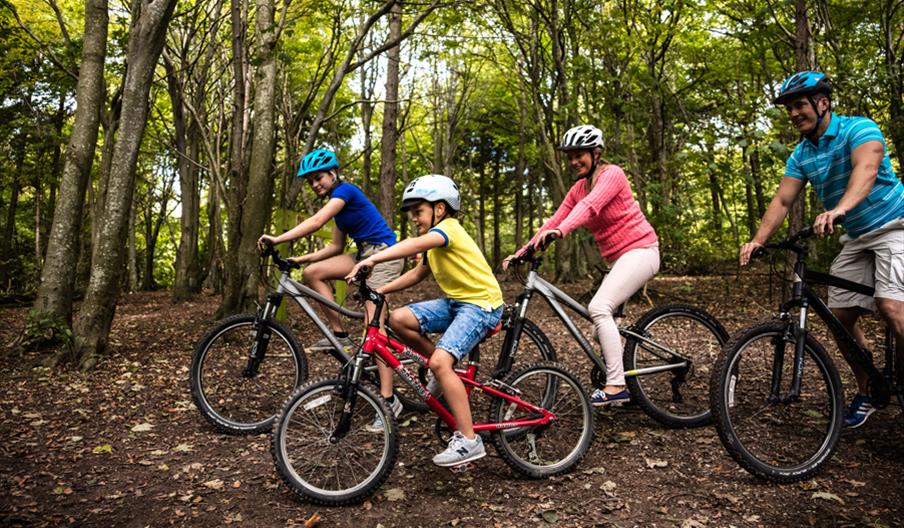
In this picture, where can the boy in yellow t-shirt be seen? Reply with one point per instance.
(472, 306)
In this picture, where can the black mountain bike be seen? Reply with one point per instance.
(669, 351)
(776, 394)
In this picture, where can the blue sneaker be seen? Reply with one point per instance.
(860, 409)
(601, 397)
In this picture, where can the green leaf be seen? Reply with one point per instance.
(550, 516)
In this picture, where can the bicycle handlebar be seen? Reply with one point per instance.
(530, 254)
(791, 242)
(281, 263)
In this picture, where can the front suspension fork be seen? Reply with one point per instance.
(261, 335)
(348, 389)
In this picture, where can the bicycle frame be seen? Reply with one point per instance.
(382, 346)
(300, 293)
(555, 298)
(804, 297)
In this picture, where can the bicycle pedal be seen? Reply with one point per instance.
(461, 468)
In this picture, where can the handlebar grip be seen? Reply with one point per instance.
(362, 274)
(758, 252)
(546, 241)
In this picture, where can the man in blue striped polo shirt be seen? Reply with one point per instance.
(846, 161)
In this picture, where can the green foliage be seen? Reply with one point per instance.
(682, 91)
(45, 329)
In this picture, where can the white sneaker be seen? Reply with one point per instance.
(377, 425)
(460, 451)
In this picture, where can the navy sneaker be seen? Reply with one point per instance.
(860, 409)
(601, 397)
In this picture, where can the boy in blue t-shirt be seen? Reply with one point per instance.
(357, 217)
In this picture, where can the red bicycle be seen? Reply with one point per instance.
(540, 421)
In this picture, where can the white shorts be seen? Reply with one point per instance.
(875, 259)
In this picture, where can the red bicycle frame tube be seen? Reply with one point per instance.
(383, 346)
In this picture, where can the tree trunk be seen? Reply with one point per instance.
(519, 172)
(186, 137)
(259, 195)
(390, 118)
(213, 271)
(146, 38)
(804, 60)
(132, 264)
(57, 283)
(497, 214)
(235, 198)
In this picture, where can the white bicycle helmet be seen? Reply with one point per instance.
(431, 188)
(582, 137)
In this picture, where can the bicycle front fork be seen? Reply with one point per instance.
(348, 389)
(797, 333)
(261, 335)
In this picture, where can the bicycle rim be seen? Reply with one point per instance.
(679, 334)
(330, 473)
(232, 402)
(783, 442)
(555, 448)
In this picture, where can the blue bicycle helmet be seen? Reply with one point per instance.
(317, 161)
(803, 83)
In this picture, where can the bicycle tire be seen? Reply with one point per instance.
(562, 444)
(674, 398)
(231, 402)
(532, 347)
(310, 464)
(745, 419)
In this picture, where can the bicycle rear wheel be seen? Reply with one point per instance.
(532, 347)
(674, 334)
(775, 440)
(323, 471)
(553, 449)
(234, 400)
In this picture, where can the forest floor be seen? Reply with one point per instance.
(124, 446)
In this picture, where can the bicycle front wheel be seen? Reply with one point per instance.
(234, 399)
(669, 368)
(552, 449)
(321, 468)
(775, 439)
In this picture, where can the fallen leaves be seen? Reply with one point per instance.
(216, 484)
(394, 494)
(825, 495)
(142, 428)
(655, 463)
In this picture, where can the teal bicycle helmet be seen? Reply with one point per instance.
(317, 161)
(803, 83)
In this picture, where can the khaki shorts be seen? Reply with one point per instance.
(384, 272)
(874, 259)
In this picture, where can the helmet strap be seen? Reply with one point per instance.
(811, 135)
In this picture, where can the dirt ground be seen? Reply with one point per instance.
(124, 446)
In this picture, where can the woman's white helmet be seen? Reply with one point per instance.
(582, 137)
(431, 188)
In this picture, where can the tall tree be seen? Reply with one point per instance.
(146, 38)
(258, 197)
(57, 284)
(386, 201)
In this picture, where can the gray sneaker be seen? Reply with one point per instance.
(377, 425)
(460, 451)
(324, 344)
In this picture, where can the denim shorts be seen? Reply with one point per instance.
(463, 324)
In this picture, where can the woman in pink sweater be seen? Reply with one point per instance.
(601, 201)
